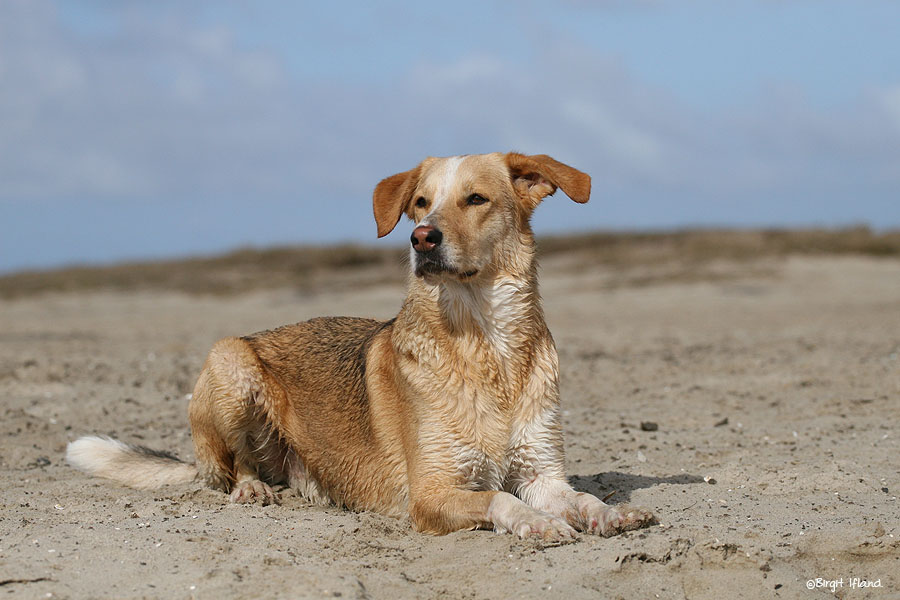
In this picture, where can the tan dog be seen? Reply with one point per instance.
(448, 413)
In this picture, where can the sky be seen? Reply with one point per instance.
(139, 130)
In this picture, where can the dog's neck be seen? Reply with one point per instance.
(500, 308)
(500, 311)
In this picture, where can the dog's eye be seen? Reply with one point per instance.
(476, 199)
(421, 202)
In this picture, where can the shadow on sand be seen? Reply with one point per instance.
(623, 484)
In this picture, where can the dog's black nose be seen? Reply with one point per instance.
(425, 238)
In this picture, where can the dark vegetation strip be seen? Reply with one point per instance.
(307, 268)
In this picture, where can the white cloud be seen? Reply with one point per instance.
(641, 149)
(890, 100)
(171, 107)
(467, 71)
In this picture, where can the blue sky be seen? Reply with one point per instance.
(155, 129)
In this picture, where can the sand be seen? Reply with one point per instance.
(754, 409)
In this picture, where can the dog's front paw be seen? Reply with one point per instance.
(509, 514)
(605, 520)
(546, 527)
(253, 490)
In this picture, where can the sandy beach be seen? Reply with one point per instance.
(752, 403)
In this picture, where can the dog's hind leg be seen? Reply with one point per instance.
(228, 420)
(214, 459)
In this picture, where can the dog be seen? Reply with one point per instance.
(447, 414)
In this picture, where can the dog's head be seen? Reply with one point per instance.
(471, 210)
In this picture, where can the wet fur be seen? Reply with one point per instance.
(448, 414)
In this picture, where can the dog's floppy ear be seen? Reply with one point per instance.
(392, 197)
(538, 176)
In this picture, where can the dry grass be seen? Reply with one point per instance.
(703, 245)
(239, 271)
(311, 268)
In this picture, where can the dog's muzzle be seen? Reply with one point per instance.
(431, 263)
(434, 263)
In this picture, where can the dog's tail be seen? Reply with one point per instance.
(135, 466)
